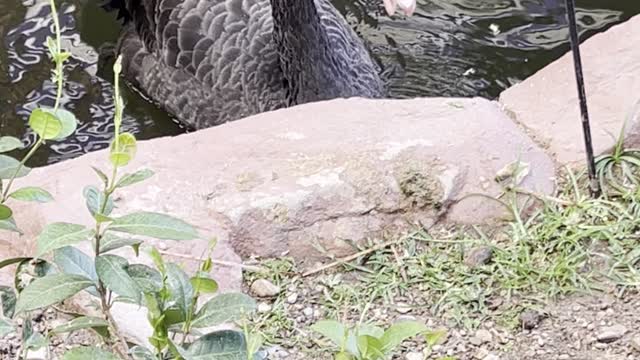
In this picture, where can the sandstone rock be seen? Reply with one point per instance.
(306, 178)
(546, 103)
(610, 334)
(264, 288)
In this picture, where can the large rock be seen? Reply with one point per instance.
(546, 104)
(308, 178)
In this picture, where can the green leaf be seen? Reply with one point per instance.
(343, 356)
(399, 332)
(204, 285)
(94, 199)
(8, 167)
(36, 341)
(45, 124)
(11, 261)
(223, 308)
(53, 48)
(58, 235)
(158, 261)
(27, 270)
(122, 149)
(10, 225)
(435, 337)
(5, 212)
(254, 343)
(6, 327)
(371, 330)
(219, 345)
(83, 322)
(154, 225)
(8, 298)
(111, 242)
(62, 56)
(147, 278)
(49, 290)
(88, 352)
(140, 353)
(101, 175)
(179, 287)
(370, 347)
(112, 271)
(67, 120)
(9, 143)
(73, 261)
(332, 330)
(32, 193)
(136, 177)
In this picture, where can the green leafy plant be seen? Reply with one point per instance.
(368, 342)
(618, 171)
(61, 270)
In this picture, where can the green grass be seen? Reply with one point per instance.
(570, 244)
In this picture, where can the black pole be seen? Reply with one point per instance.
(594, 185)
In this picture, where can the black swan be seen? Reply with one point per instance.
(207, 62)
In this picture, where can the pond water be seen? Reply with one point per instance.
(448, 48)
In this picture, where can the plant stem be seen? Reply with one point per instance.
(19, 167)
(105, 300)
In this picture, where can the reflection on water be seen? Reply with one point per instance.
(448, 48)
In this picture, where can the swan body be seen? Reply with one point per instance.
(207, 62)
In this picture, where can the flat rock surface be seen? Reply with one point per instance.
(308, 179)
(546, 104)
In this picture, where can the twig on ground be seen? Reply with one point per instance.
(352, 257)
(216, 262)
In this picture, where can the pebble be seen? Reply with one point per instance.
(40, 354)
(481, 354)
(530, 319)
(635, 342)
(263, 307)
(491, 356)
(264, 288)
(478, 256)
(414, 356)
(403, 308)
(291, 299)
(308, 312)
(610, 334)
(484, 336)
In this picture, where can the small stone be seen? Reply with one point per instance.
(635, 342)
(478, 256)
(484, 336)
(291, 299)
(475, 341)
(264, 288)
(263, 307)
(564, 357)
(610, 334)
(403, 308)
(530, 319)
(414, 356)
(308, 312)
(40, 354)
(481, 354)
(491, 356)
